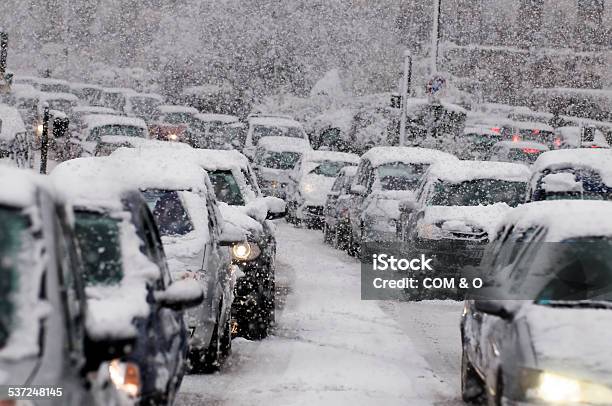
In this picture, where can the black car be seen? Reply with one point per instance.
(337, 226)
(540, 332)
(129, 287)
(43, 310)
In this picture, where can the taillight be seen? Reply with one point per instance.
(531, 150)
(557, 142)
(535, 131)
(516, 138)
(496, 130)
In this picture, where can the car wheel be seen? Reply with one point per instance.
(471, 385)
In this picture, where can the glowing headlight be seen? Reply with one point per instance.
(172, 137)
(558, 389)
(307, 188)
(245, 251)
(125, 377)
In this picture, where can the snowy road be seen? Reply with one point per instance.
(330, 347)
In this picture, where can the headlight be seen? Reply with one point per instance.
(172, 137)
(245, 251)
(558, 389)
(307, 188)
(125, 376)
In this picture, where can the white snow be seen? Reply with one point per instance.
(407, 155)
(274, 121)
(598, 160)
(10, 123)
(561, 182)
(99, 120)
(222, 118)
(168, 108)
(284, 144)
(571, 136)
(484, 217)
(461, 171)
(19, 186)
(319, 156)
(329, 85)
(85, 110)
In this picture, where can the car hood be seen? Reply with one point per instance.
(459, 218)
(280, 175)
(386, 203)
(572, 340)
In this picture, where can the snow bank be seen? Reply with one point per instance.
(561, 182)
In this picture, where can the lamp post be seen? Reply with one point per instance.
(44, 140)
(435, 36)
(406, 82)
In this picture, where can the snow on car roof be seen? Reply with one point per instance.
(224, 118)
(10, 123)
(408, 155)
(124, 90)
(168, 108)
(461, 171)
(282, 144)
(274, 121)
(19, 186)
(57, 96)
(414, 103)
(98, 120)
(596, 159)
(36, 79)
(331, 156)
(564, 218)
(95, 110)
(522, 145)
(80, 86)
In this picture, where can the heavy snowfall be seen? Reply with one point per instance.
(282, 202)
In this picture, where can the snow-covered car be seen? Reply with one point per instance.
(115, 98)
(386, 176)
(476, 143)
(88, 93)
(246, 211)
(337, 226)
(44, 84)
(525, 152)
(572, 174)
(190, 224)
(143, 105)
(579, 137)
(311, 180)
(275, 158)
(76, 118)
(101, 134)
(528, 131)
(43, 310)
(130, 291)
(260, 126)
(172, 123)
(15, 143)
(457, 209)
(216, 131)
(542, 337)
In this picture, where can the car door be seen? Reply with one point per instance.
(364, 172)
(332, 199)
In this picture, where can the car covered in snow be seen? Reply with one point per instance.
(143, 105)
(337, 226)
(260, 126)
(528, 131)
(15, 143)
(130, 290)
(88, 93)
(43, 310)
(457, 208)
(579, 137)
(475, 143)
(172, 123)
(101, 134)
(541, 336)
(216, 131)
(115, 98)
(385, 177)
(43, 84)
(185, 209)
(525, 152)
(76, 118)
(572, 174)
(247, 212)
(311, 180)
(275, 158)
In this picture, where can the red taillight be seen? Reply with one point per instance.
(516, 138)
(595, 146)
(535, 131)
(496, 130)
(531, 150)
(557, 142)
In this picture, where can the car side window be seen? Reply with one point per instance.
(361, 173)
(155, 248)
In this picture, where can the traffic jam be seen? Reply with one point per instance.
(174, 239)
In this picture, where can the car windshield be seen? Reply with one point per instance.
(54, 88)
(114, 101)
(100, 242)
(226, 188)
(575, 270)
(145, 107)
(61, 105)
(478, 192)
(329, 169)
(260, 131)
(527, 155)
(169, 211)
(213, 135)
(178, 118)
(13, 225)
(570, 184)
(279, 160)
(400, 176)
(115, 130)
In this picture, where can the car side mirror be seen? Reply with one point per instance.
(180, 295)
(277, 208)
(494, 308)
(358, 190)
(407, 206)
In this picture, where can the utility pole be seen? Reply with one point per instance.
(44, 141)
(406, 83)
(435, 35)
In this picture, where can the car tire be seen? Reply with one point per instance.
(471, 386)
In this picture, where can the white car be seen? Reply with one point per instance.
(260, 126)
(275, 158)
(311, 181)
(104, 133)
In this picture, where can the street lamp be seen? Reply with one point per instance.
(435, 35)
(406, 82)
